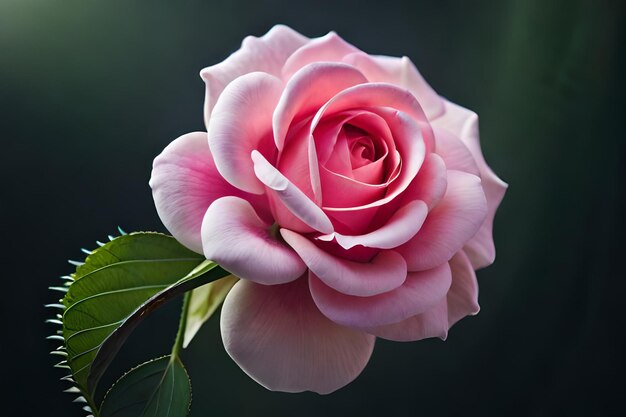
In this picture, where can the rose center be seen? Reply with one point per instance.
(362, 148)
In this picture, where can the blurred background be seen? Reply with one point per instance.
(92, 91)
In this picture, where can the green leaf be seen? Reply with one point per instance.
(117, 286)
(203, 303)
(160, 387)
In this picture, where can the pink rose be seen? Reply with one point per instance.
(352, 201)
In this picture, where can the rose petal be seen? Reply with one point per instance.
(279, 338)
(430, 183)
(408, 125)
(185, 182)
(429, 186)
(341, 192)
(347, 187)
(481, 249)
(463, 123)
(298, 162)
(337, 161)
(295, 204)
(431, 323)
(462, 298)
(328, 48)
(308, 90)
(241, 123)
(379, 95)
(236, 238)
(400, 227)
(327, 131)
(411, 149)
(449, 225)
(454, 152)
(314, 171)
(383, 273)
(346, 222)
(371, 172)
(267, 54)
(367, 132)
(400, 72)
(420, 292)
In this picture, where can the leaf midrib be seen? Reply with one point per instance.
(105, 293)
(132, 261)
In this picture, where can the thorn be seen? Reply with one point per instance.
(85, 251)
(55, 321)
(122, 232)
(87, 409)
(62, 289)
(57, 352)
(67, 278)
(58, 316)
(80, 399)
(56, 337)
(111, 237)
(72, 390)
(75, 263)
(62, 348)
(61, 306)
(68, 378)
(99, 243)
(62, 364)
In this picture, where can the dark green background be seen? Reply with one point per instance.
(91, 91)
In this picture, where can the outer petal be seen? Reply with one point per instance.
(329, 48)
(463, 295)
(291, 205)
(481, 249)
(420, 292)
(266, 54)
(383, 273)
(454, 152)
(308, 90)
(449, 225)
(464, 124)
(279, 338)
(236, 238)
(184, 184)
(241, 123)
(400, 72)
(431, 323)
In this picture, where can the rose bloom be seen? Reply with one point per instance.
(352, 201)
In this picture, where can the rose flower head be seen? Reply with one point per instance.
(351, 200)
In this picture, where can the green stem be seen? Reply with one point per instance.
(180, 336)
(94, 410)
